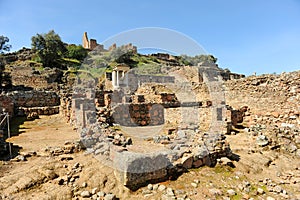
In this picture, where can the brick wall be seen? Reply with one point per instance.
(29, 102)
(34, 98)
(139, 114)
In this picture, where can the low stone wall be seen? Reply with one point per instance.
(135, 170)
(27, 103)
(135, 80)
(30, 103)
(33, 81)
(139, 114)
(34, 98)
(38, 111)
(22, 54)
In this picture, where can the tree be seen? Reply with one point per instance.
(76, 52)
(3, 46)
(49, 48)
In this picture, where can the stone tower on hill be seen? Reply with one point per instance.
(89, 44)
(85, 41)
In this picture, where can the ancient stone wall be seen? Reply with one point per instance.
(139, 114)
(24, 75)
(227, 75)
(135, 170)
(33, 101)
(93, 44)
(30, 81)
(22, 54)
(34, 98)
(26, 103)
(136, 80)
(273, 102)
(66, 106)
(273, 98)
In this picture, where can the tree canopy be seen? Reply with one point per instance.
(3, 44)
(49, 48)
(3, 47)
(76, 52)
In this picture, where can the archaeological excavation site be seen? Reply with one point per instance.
(119, 124)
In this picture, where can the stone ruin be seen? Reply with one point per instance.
(168, 148)
(272, 116)
(97, 113)
(268, 105)
(91, 44)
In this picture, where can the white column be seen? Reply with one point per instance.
(126, 79)
(123, 77)
(117, 72)
(114, 78)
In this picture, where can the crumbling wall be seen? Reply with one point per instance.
(23, 74)
(66, 106)
(272, 98)
(139, 114)
(136, 80)
(135, 170)
(33, 101)
(22, 54)
(273, 102)
(34, 98)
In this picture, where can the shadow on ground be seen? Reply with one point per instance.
(11, 150)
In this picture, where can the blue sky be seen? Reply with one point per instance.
(260, 36)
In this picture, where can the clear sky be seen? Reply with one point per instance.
(246, 36)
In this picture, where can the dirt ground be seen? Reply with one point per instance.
(42, 175)
(43, 132)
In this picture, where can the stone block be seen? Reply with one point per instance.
(187, 161)
(135, 170)
(197, 163)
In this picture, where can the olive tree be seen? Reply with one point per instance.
(3, 44)
(3, 47)
(49, 48)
